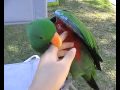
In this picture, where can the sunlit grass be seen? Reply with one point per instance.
(104, 41)
(112, 74)
(12, 48)
(113, 36)
(102, 4)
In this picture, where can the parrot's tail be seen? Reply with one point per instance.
(97, 59)
(92, 83)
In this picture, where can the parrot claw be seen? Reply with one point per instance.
(68, 84)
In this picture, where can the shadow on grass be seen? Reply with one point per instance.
(16, 44)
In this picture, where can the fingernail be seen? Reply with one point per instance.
(73, 50)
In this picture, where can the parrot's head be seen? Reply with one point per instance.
(41, 33)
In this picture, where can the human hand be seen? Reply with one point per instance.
(52, 71)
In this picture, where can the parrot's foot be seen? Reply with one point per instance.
(68, 85)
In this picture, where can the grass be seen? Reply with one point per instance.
(102, 24)
(102, 4)
(16, 45)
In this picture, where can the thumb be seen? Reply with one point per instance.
(52, 49)
(68, 58)
(51, 53)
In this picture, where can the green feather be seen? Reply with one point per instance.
(89, 58)
(40, 33)
(74, 23)
(84, 66)
(83, 32)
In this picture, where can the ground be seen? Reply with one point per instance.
(102, 24)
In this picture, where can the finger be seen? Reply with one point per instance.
(50, 54)
(62, 53)
(63, 35)
(52, 50)
(68, 58)
(66, 45)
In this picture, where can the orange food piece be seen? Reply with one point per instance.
(56, 40)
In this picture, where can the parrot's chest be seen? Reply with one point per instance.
(71, 37)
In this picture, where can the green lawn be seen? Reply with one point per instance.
(102, 24)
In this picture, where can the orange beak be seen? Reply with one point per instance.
(56, 40)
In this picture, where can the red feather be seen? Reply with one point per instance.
(72, 37)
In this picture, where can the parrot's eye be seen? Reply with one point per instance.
(41, 37)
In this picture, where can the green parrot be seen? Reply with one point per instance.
(42, 33)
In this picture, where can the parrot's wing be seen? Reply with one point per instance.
(85, 68)
(85, 35)
(88, 68)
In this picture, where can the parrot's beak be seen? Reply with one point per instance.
(56, 40)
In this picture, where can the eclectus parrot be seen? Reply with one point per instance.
(43, 32)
